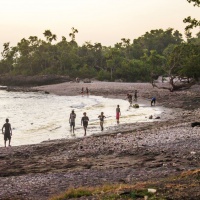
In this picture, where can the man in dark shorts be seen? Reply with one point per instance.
(72, 118)
(101, 117)
(84, 122)
(8, 132)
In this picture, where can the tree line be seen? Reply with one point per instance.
(160, 52)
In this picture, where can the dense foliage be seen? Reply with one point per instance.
(154, 52)
(192, 22)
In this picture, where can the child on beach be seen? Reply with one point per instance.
(118, 113)
(101, 117)
(84, 122)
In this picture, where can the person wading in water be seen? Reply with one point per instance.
(72, 118)
(84, 122)
(118, 113)
(101, 117)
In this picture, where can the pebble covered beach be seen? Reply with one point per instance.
(130, 153)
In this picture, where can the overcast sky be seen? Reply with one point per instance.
(105, 21)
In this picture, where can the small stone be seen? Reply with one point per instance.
(151, 190)
(157, 118)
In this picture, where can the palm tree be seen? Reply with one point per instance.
(49, 36)
(72, 35)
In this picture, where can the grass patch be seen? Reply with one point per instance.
(74, 193)
(107, 192)
(192, 173)
(181, 186)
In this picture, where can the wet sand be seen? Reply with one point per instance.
(131, 153)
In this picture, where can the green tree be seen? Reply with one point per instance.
(49, 36)
(183, 63)
(192, 22)
(73, 34)
(157, 40)
(8, 58)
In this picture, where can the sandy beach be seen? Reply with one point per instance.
(132, 153)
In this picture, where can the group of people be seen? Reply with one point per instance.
(130, 97)
(85, 120)
(7, 131)
(86, 91)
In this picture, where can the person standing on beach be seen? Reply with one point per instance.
(72, 118)
(82, 90)
(87, 91)
(101, 117)
(118, 113)
(8, 132)
(130, 98)
(153, 101)
(135, 95)
(84, 122)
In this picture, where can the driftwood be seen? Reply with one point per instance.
(195, 124)
(175, 86)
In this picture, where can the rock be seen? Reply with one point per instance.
(195, 124)
(174, 164)
(136, 106)
(150, 117)
(157, 117)
(151, 190)
(3, 87)
(86, 80)
(27, 81)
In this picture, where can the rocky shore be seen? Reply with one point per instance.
(132, 153)
(28, 81)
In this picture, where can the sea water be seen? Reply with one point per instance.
(37, 117)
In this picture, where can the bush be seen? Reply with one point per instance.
(103, 75)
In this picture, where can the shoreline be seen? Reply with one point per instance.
(140, 152)
(159, 111)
